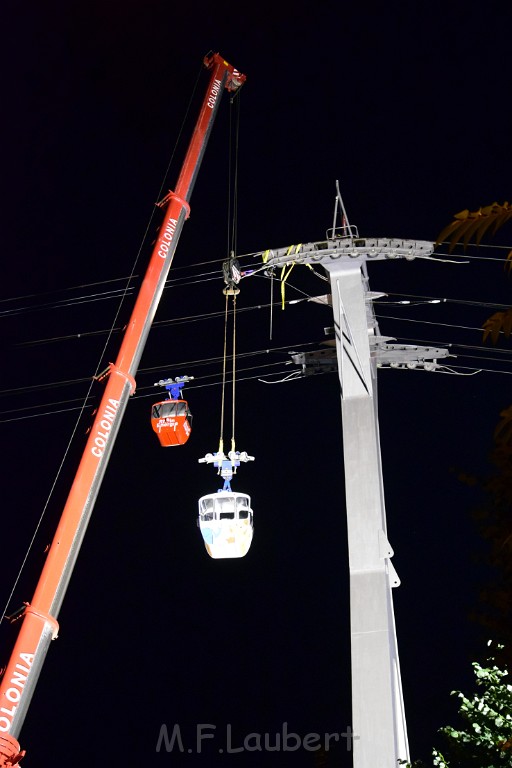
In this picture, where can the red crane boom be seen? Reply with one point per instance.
(39, 618)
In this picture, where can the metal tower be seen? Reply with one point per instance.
(378, 717)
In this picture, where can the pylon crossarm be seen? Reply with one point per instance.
(408, 356)
(350, 248)
(384, 355)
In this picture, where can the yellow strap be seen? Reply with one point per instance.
(284, 278)
(285, 274)
(265, 256)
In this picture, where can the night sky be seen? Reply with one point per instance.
(407, 106)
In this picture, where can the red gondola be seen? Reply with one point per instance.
(171, 419)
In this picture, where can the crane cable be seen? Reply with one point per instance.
(228, 292)
(233, 377)
(231, 289)
(224, 358)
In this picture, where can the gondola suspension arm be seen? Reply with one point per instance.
(227, 464)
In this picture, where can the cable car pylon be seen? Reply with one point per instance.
(379, 730)
(226, 517)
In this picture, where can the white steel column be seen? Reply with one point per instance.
(378, 719)
(380, 736)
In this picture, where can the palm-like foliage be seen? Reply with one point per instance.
(469, 224)
(495, 514)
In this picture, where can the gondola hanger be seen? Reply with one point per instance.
(225, 517)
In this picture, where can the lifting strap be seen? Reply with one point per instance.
(231, 270)
(234, 376)
(224, 367)
(224, 357)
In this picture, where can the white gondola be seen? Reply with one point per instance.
(226, 523)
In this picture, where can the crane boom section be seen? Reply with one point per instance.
(39, 620)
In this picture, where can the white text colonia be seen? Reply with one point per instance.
(13, 694)
(212, 98)
(104, 427)
(168, 234)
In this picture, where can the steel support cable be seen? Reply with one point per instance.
(212, 360)
(64, 303)
(257, 377)
(138, 396)
(180, 282)
(21, 390)
(457, 345)
(417, 297)
(184, 320)
(90, 405)
(427, 322)
(38, 387)
(141, 389)
(240, 378)
(147, 370)
(80, 287)
(157, 323)
(172, 281)
(475, 245)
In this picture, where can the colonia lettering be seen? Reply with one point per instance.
(212, 98)
(105, 426)
(167, 237)
(13, 694)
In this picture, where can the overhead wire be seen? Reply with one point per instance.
(146, 371)
(204, 316)
(178, 268)
(213, 360)
(172, 282)
(210, 315)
